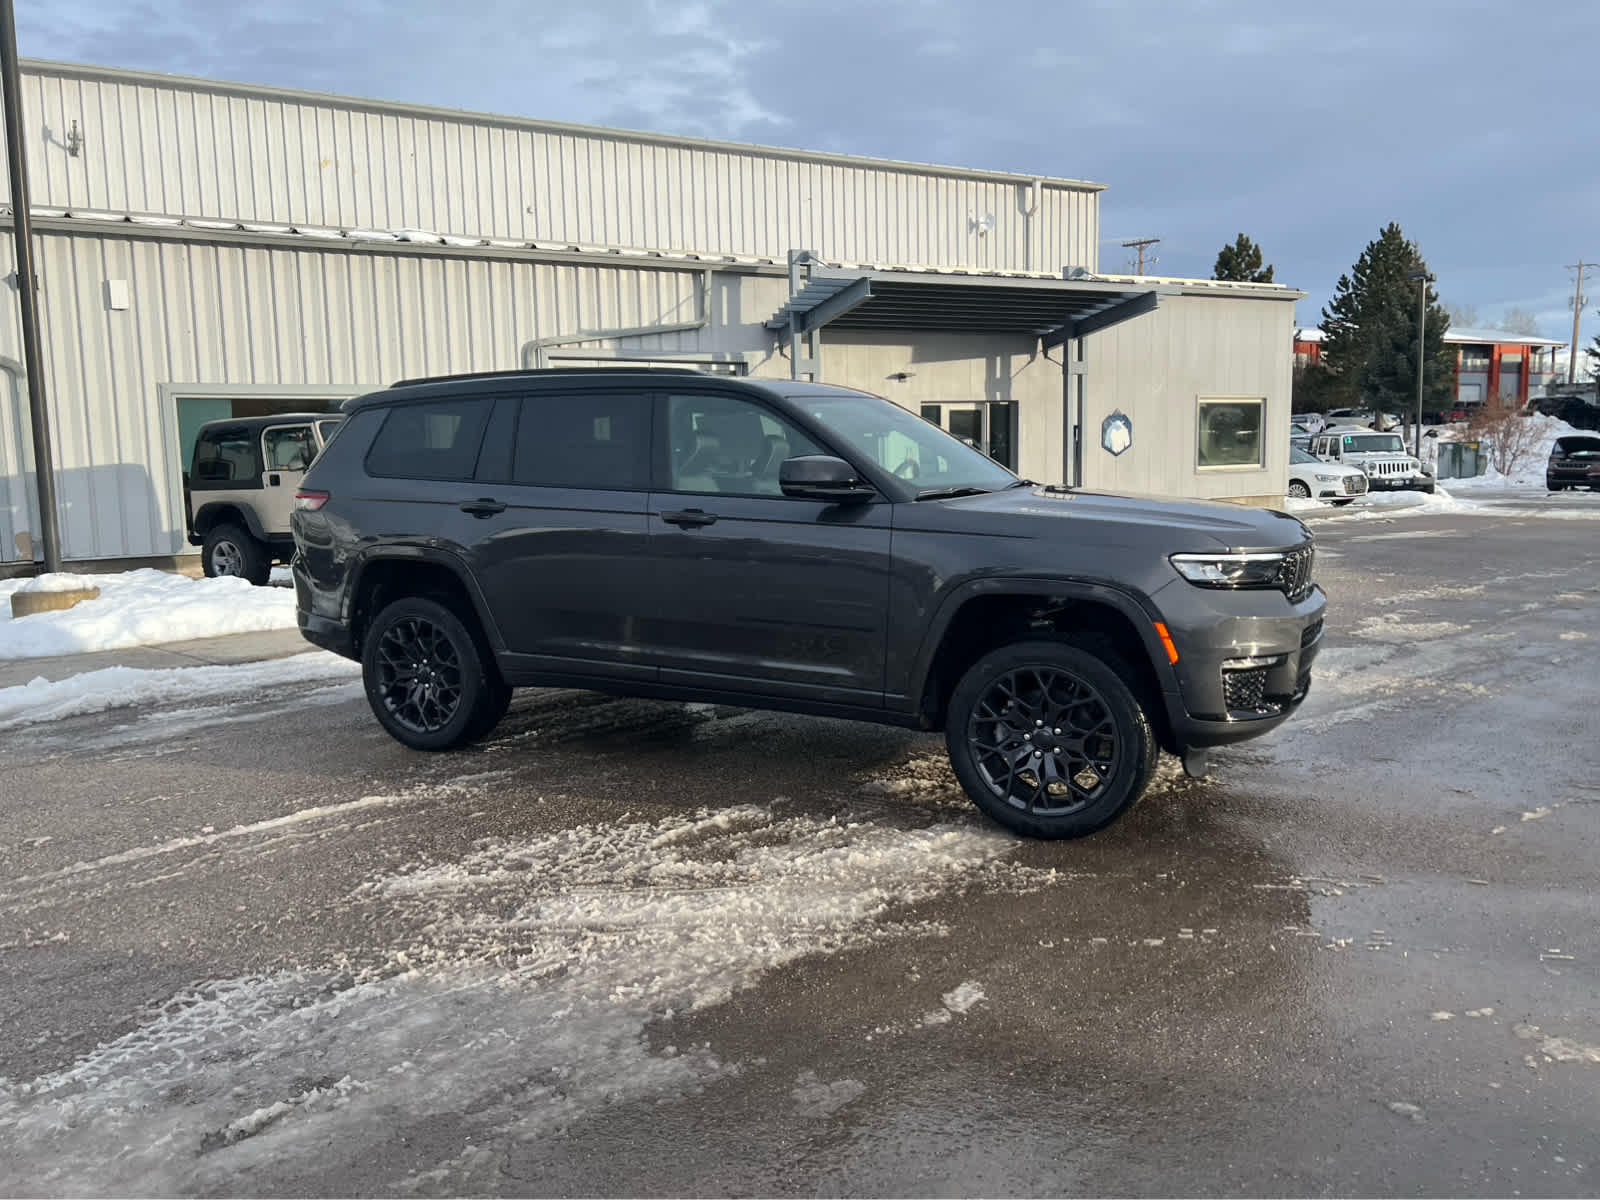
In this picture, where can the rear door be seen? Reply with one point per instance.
(561, 553)
(751, 590)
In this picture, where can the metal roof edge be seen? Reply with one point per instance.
(69, 70)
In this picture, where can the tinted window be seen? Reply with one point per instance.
(724, 444)
(435, 440)
(584, 440)
(225, 456)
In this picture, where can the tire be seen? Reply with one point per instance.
(1342, 502)
(1085, 690)
(1299, 490)
(428, 678)
(229, 550)
(1429, 489)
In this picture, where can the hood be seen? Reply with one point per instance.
(1229, 526)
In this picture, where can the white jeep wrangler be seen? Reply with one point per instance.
(1381, 457)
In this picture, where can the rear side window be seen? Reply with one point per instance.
(584, 440)
(438, 439)
(226, 456)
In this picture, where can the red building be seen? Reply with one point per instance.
(1489, 362)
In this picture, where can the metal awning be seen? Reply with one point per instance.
(905, 301)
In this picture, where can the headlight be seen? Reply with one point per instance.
(1327, 478)
(1230, 570)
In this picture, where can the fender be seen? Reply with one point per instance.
(435, 556)
(1138, 612)
(218, 511)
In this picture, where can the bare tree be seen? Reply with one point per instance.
(1505, 433)
(1519, 321)
(1462, 315)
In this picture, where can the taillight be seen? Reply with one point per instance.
(313, 500)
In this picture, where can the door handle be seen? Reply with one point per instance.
(483, 507)
(689, 518)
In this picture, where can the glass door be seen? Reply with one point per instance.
(990, 426)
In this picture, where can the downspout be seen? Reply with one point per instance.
(1035, 190)
(533, 352)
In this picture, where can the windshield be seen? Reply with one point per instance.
(1585, 446)
(903, 444)
(1374, 443)
(1297, 455)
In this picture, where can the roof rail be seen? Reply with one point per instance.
(542, 371)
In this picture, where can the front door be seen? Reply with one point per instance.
(753, 590)
(286, 453)
(990, 427)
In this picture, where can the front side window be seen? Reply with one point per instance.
(904, 444)
(1230, 433)
(584, 440)
(725, 444)
(287, 447)
(436, 439)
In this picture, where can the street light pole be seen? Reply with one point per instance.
(1423, 279)
(27, 288)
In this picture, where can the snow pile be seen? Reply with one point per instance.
(539, 980)
(140, 608)
(136, 687)
(1529, 472)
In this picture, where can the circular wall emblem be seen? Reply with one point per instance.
(1116, 432)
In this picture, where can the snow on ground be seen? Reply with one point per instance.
(522, 1001)
(136, 687)
(1529, 472)
(140, 608)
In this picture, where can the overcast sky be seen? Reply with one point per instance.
(1306, 125)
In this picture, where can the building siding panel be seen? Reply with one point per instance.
(235, 153)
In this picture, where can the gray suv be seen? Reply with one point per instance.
(664, 533)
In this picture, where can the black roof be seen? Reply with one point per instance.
(416, 389)
(272, 419)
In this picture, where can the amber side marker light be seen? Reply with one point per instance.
(1166, 640)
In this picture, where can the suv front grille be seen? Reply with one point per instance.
(1294, 577)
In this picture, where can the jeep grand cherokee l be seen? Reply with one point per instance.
(663, 533)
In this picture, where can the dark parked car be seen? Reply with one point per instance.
(1574, 462)
(239, 489)
(657, 532)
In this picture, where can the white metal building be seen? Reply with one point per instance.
(207, 249)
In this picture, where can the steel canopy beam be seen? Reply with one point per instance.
(1104, 318)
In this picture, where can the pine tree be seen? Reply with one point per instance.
(1369, 332)
(1594, 358)
(1241, 261)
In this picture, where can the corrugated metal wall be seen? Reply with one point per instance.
(232, 315)
(1155, 369)
(231, 152)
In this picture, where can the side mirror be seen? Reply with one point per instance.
(823, 477)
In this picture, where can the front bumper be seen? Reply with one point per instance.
(1244, 660)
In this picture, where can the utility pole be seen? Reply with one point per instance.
(27, 289)
(1581, 268)
(1140, 243)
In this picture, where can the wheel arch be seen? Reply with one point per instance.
(387, 574)
(222, 512)
(985, 614)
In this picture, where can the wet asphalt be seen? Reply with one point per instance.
(1362, 958)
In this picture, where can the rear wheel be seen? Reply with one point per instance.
(1299, 490)
(229, 550)
(429, 682)
(1049, 740)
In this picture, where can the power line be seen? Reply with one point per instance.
(1581, 270)
(1141, 243)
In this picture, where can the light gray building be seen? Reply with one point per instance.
(209, 249)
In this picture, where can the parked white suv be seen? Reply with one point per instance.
(1381, 457)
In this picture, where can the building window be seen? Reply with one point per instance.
(1474, 358)
(1230, 432)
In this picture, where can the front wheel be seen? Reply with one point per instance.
(426, 678)
(1049, 740)
(1298, 490)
